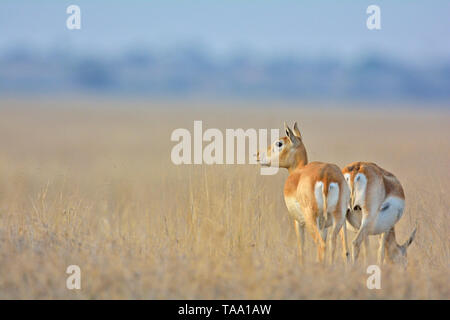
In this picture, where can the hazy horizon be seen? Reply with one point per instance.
(281, 49)
(414, 30)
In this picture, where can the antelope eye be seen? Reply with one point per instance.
(279, 144)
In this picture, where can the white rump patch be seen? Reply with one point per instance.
(333, 196)
(318, 194)
(347, 178)
(359, 186)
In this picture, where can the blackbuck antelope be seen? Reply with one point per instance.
(376, 205)
(315, 193)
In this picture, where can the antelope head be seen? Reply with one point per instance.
(287, 152)
(396, 253)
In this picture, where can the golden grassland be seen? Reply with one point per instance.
(91, 183)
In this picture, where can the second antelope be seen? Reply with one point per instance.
(315, 193)
(377, 203)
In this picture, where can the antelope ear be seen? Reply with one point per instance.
(411, 238)
(296, 131)
(290, 134)
(286, 129)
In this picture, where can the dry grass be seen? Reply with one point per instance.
(93, 185)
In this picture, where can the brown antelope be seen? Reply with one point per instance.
(376, 205)
(315, 193)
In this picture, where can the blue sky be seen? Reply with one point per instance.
(417, 30)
